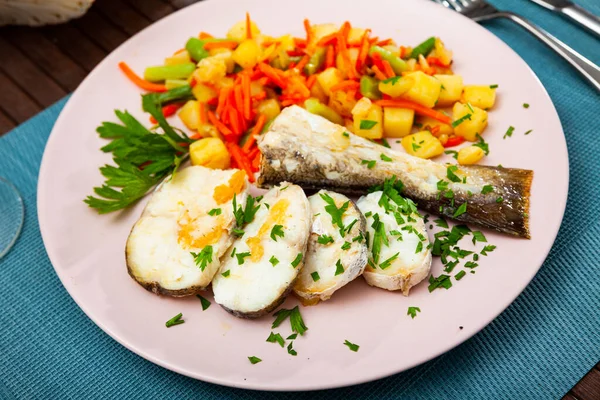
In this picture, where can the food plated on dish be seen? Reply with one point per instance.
(317, 114)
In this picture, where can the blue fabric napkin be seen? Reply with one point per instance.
(537, 349)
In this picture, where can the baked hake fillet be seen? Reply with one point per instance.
(337, 251)
(175, 246)
(261, 266)
(400, 256)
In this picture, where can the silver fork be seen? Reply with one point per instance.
(480, 10)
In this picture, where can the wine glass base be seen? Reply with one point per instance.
(12, 215)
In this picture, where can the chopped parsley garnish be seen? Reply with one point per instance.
(493, 86)
(203, 258)
(277, 230)
(352, 346)
(214, 211)
(293, 336)
(461, 210)
(205, 302)
(339, 268)
(283, 188)
(176, 320)
(528, 132)
(442, 185)
(367, 123)
(470, 108)
(233, 252)
(254, 359)
(240, 257)
(441, 223)
(348, 228)
(415, 147)
(379, 237)
(450, 173)
(385, 143)
(525, 105)
(419, 248)
(461, 120)
(331, 209)
(509, 132)
(487, 249)
(273, 260)
(389, 261)
(296, 321)
(487, 189)
(276, 338)
(297, 260)
(499, 199)
(460, 275)
(324, 239)
(237, 231)
(393, 80)
(412, 311)
(290, 349)
(346, 134)
(226, 273)
(442, 281)
(368, 214)
(370, 163)
(478, 236)
(315, 276)
(471, 264)
(482, 144)
(358, 238)
(454, 153)
(385, 158)
(346, 246)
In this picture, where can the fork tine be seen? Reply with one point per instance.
(455, 5)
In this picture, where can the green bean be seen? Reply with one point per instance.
(316, 61)
(314, 106)
(195, 48)
(177, 94)
(369, 87)
(397, 64)
(173, 83)
(164, 72)
(423, 48)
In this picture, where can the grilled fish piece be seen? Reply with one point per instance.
(314, 153)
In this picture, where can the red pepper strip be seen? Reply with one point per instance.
(435, 129)
(436, 61)
(454, 141)
(225, 131)
(380, 75)
(402, 51)
(167, 111)
(255, 159)
(328, 39)
(260, 96)
(256, 75)
(299, 42)
(213, 102)
(384, 42)
(241, 159)
(272, 74)
(139, 82)
(419, 109)
(308, 30)
(253, 153)
(193, 82)
(248, 26)
(387, 68)
(311, 81)
(202, 112)
(302, 63)
(295, 53)
(260, 123)
(377, 61)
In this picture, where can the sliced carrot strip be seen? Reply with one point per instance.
(311, 81)
(235, 121)
(435, 129)
(364, 50)
(303, 62)
(221, 45)
(260, 123)
(239, 98)
(387, 68)
(179, 51)
(272, 74)
(223, 95)
(241, 159)
(202, 112)
(384, 42)
(380, 75)
(299, 42)
(330, 57)
(247, 97)
(308, 30)
(419, 109)
(345, 85)
(253, 153)
(204, 35)
(219, 125)
(139, 82)
(248, 26)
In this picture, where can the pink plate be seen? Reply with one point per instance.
(87, 249)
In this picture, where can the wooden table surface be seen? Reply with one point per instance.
(39, 66)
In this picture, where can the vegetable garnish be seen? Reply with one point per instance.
(205, 302)
(442, 281)
(351, 346)
(203, 258)
(454, 153)
(412, 311)
(460, 275)
(509, 132)
(315, 276)
(493, 86)
(335, 212)
(277, 230)
(290, 349)
(346, 246)
(390, 260)
(525, 105)
(214, 211)
(370, 163)
(528, 132)
(240, 257)
(482, 144)
(450, 173)
(176, 320)
(478, 237)
(254, 359)
(487, 189)
(273, 260)
(276, 338)
(367, 124)
(226, 273)
(324, 239)
(461, 210)
(296, 321)
(499, 199)
(339, 268)
(461, 120)
(385, 158)
(297, 260)
(487, 249)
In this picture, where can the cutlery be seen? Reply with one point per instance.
(574, 12)
(480, 10)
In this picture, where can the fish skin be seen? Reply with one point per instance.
(309, 151)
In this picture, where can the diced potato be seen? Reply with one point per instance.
(355, 35)
(238, 31)
(286, 43)
(422, 144)
(425, 89)
(479, 96)
(210, 69)
(203, 93)
(367, 113)
(397, 122)
(190, 114)
(314, 106)
(469, 128)
(269, 108)
(210, 152)
(428, 123)
(209, 130)
(341, 64)
(226, 82)
(182, 57)
(451, 90)
(227, 56)
(317, 92)
(321, 30)
(246, 54)
(395, 87)
(256, 88)
(442, 53)
(341, 103)
(469, 155)
(267, 53)
(329, 78)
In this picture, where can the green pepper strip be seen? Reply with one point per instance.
(397, 64)
(164, 72)
(195, 47)
(316, 61)
(424, 48)
(369, 87)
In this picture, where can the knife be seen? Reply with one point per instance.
(574, 12)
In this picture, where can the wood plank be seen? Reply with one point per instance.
(100, 30)
(15, 102)
(66, 72)
(76, 45)
(569, 396)
(182, 3)
(152, 9)
(122, 15)
(28, 76)
(6, 124)
(588, 388)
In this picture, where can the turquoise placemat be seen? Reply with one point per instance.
(537, 349)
